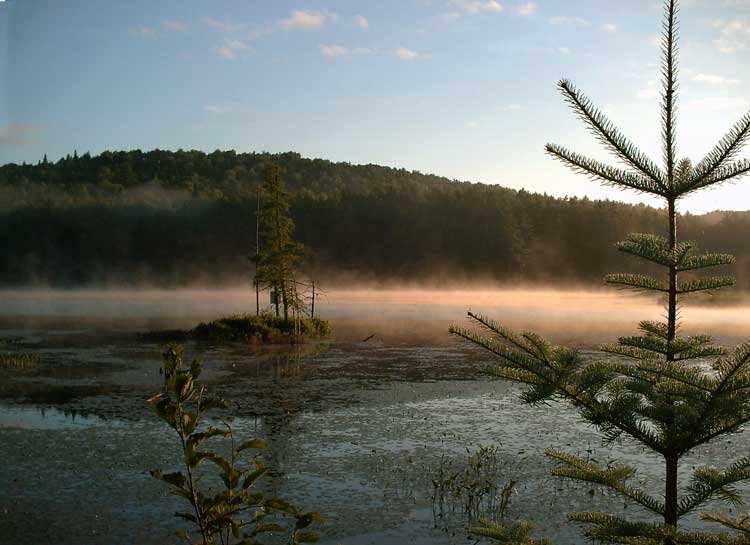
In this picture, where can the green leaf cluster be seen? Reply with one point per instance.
(237, 513)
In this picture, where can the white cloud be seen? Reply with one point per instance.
(609, 27)
(451, 16)
(217, 109)
(361, 21)
(573, 21)
(222, 26)
(333, 50)
(477, 6)
(734, 35)
(527, 8)
(509, 108)
(562, 50)
(342, 51)
(146, 32)
(259, 32)
(406, 54)
(174, 26)
(651, 91)
(307, 20)
(234, 49)
(713, 79)
(655, 40)
(719, 105)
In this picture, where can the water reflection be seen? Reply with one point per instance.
(46, 418)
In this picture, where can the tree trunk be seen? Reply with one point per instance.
(671, 459)
(285, 301)
(670, 491)
(672, 304)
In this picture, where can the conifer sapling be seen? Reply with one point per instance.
(668, 392)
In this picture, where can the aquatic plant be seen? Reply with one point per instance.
(238, 513)
(471, 485)
(20, 360)
(659, 391)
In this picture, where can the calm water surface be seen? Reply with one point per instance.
(357, 430)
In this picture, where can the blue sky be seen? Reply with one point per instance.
(460, 88)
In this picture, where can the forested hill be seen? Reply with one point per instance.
(184, 217)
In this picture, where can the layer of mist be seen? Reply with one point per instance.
(581, 317)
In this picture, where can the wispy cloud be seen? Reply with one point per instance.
(234, 49)
(406, 54)
(174, 26)
(224, 26)
(451, 16)
(477, 6)
(18, 134)
(566, 20)
(343, 51)
(734, 35)
(307, 20)
(609, 27)
(719, 105)
(508, 108)
(527, 8)
(145, 32)
(651, 91)
(361, 21)
(713, 79)
(218, 109)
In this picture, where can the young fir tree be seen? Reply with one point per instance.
(668, 392)
(278, 255)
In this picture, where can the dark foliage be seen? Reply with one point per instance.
(182, 217)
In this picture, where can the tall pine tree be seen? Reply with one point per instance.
(278, 255)
(668, 392)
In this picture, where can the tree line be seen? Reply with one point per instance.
(181, 217)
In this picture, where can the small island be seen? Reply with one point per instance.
(291, 316)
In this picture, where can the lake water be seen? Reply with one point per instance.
(356, 430)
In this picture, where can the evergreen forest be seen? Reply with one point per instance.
(188, 217)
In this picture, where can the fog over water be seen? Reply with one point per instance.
(573, 316)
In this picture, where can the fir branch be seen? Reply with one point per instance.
(517, 534)
(627, 351)
(739, 524)
(614, 477)
(691, 263)
(709, 482)
(706, 284)
(646, 342)
(606, 132)
(611, 529)
(724, 174)
(724, 151)
(603, 173)
(688, 376)
(639, 282)
(659, 329)
(651, 248)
